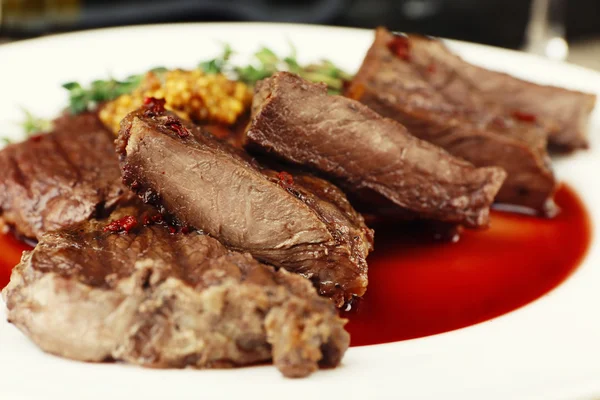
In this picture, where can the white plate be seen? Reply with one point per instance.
(549, 349)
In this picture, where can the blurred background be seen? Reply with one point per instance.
(558, 29)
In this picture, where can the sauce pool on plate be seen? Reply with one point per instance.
(420, 287)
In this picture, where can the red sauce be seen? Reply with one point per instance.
(418, 287)
(10, 255)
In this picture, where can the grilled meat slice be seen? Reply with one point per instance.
(370, 156)
(564, 113)
(297, 222)
(57, 179)
(158, 299)
(420, 84)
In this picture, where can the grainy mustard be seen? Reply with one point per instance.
(192, 95)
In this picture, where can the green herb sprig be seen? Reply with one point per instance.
(87, 98)
(265, 63)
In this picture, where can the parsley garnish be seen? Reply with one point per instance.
(265, 63)
(87, 98)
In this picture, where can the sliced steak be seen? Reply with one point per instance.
(60, 178)
(564, 113)
(158, 299)
(370, 156)
(404, 79)
(299, 222)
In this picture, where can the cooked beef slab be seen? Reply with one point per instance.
(367, 154)
(158, 299)
(60, 178)
(298, 222)
(419, 83)
(565, 113)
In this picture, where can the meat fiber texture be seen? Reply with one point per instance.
(419, 83)
(371, 157)
(57, 179)
(299, 222)
(158, 299)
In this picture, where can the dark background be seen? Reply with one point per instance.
(496, 22)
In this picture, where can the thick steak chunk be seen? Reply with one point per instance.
(565, 113)
(158, 299)
(60, 178)
(420, 84)
(299, 222)
(367, 154)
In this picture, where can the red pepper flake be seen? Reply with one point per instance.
(400, 46)
(153, 106)
(431, 68)
(147, 220)
(180, 130)
(172, 230)
(125, 224)
(524, 116)
(157, 219)
(176, 126)
(285, 179)
(185, 230)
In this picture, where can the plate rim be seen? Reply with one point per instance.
(248, 25)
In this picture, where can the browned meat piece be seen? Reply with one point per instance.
(564, 113)
(419, 83)
(301, 223)
(165, 300)
(60, 178)
(368, 155)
